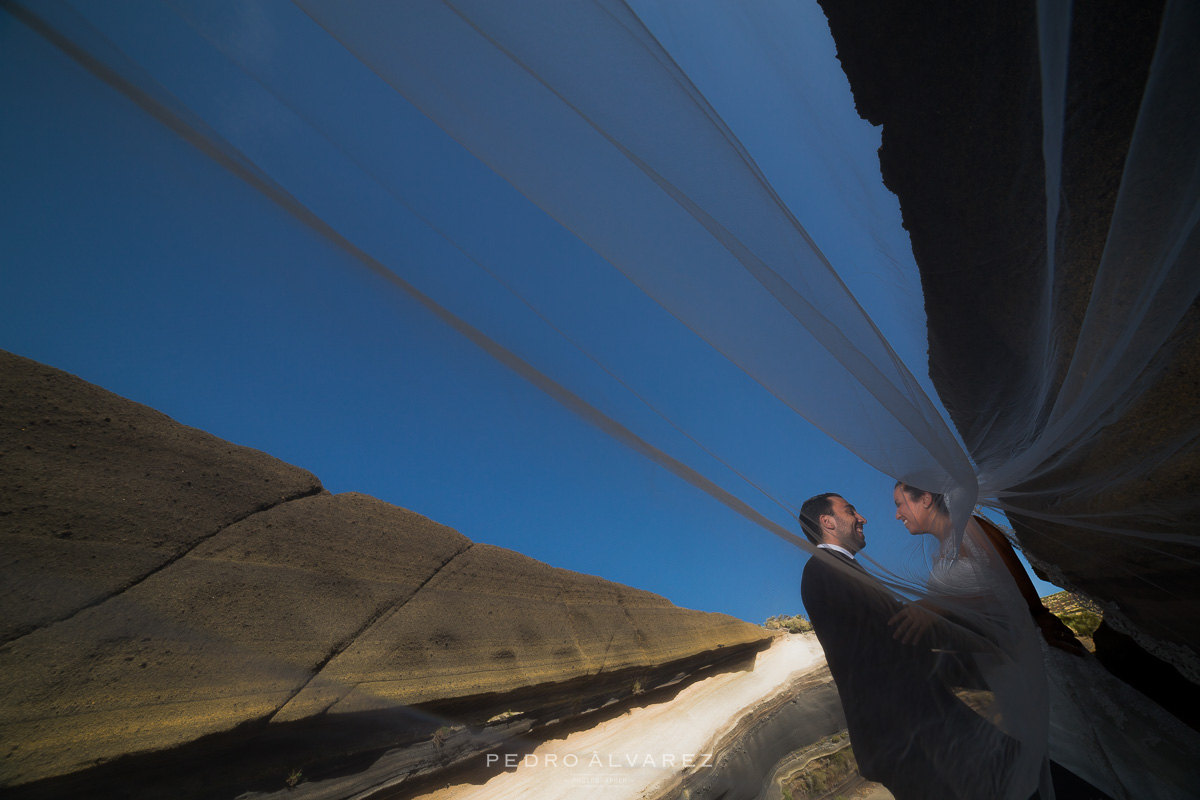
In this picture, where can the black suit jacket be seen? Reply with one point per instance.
(909, 730)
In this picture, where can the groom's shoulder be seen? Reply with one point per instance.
(823, 567)
(819, 560)
(824, 559)
(830, 592)
(815, 564)
(829, 572)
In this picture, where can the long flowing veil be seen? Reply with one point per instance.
(606, 116)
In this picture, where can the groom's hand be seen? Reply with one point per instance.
(912, 623)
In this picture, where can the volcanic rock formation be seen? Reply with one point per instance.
(172, 601)
(957, 89)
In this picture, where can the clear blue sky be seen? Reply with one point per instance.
(130, 260)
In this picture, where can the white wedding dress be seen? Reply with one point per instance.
(1101, 729)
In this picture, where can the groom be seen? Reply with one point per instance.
(907, 728)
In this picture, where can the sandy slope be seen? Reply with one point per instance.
(636, 754)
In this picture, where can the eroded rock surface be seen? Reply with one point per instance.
(167, 592)
(99, 493)
(715, 736)
(957, 89)
(492, 621)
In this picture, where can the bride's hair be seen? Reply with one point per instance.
(939, 500)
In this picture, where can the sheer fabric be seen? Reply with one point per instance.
(585, 111)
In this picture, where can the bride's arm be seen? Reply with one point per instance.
(939, 625)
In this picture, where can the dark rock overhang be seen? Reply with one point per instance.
(957, 89)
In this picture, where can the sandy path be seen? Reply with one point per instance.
(633, 755)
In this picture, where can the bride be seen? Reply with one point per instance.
(975, 611)
(1093, 716)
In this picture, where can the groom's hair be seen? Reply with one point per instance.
(811, 512)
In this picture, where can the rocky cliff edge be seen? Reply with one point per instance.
(164, 591)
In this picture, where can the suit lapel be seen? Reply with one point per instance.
(845, 559)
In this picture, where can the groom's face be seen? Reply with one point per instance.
(848, 526)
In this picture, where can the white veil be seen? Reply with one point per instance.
(585, 111)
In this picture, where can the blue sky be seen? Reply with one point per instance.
(133, 262)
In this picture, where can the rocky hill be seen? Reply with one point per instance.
(1080, 615)
(957, 89)
(171, 601)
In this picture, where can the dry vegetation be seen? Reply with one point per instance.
(823, 777)
(793, 624)
(1078, 613)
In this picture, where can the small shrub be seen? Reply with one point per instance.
(793, 624)
(820, 776)
(1082, 623)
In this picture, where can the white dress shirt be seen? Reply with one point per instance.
(837, 547)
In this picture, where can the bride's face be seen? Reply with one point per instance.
(917, 515)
